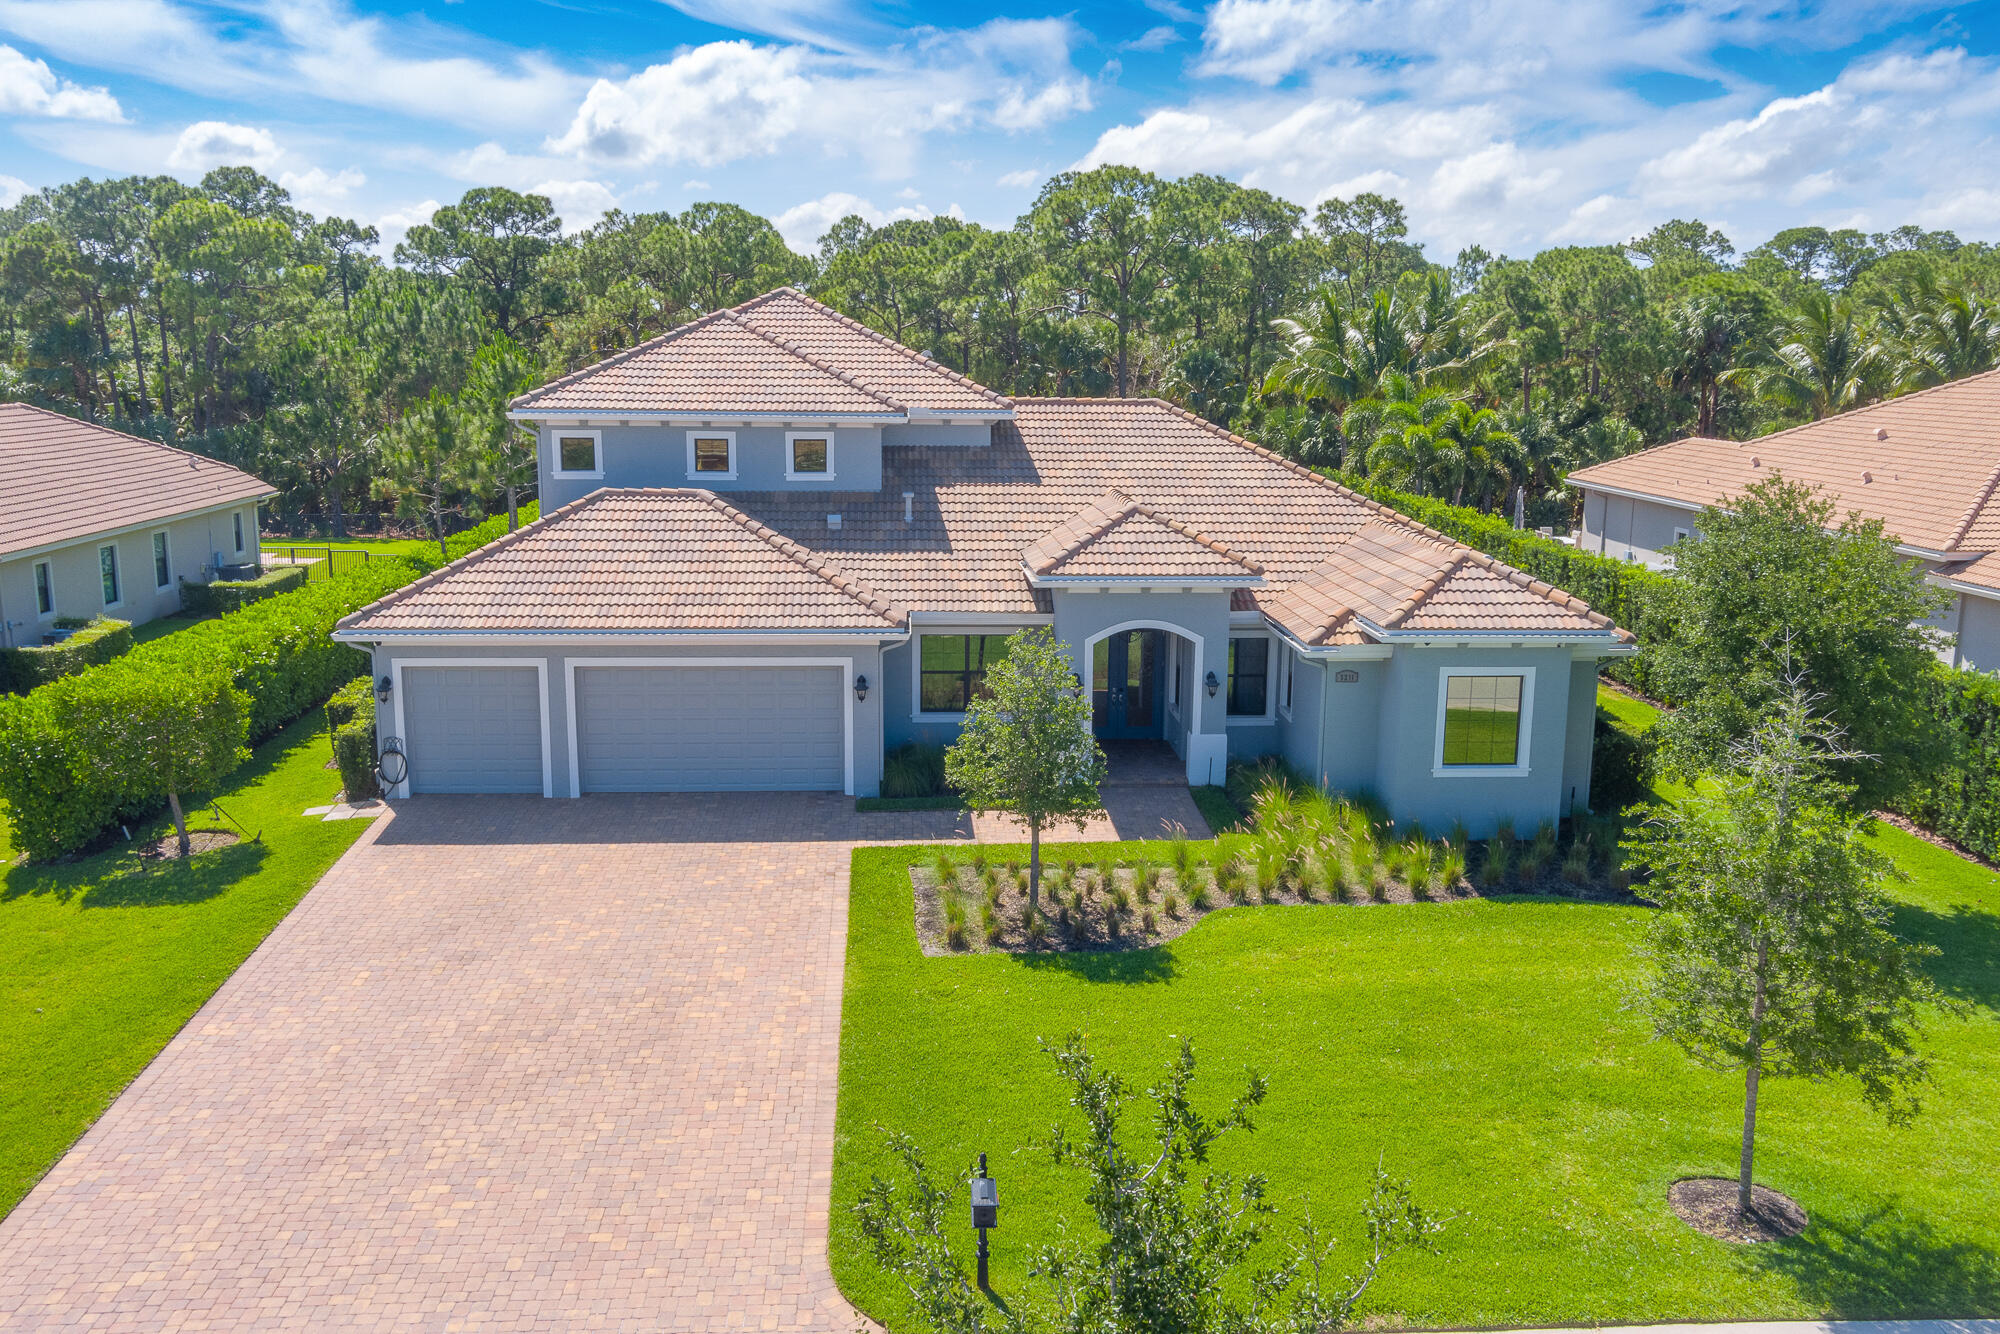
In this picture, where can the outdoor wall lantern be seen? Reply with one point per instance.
(985, 1212)
(1212, 684)
(383, 688)
(860, 687)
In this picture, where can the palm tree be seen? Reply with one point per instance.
(1825, 361)
(1418, 329)
(1423, 439)
(1705, 339)
(1936, 332)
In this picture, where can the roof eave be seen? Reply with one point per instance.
(707, 417)
(1206, 581)
(363, 635)
(23, 553)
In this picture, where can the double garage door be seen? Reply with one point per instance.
(638, 729)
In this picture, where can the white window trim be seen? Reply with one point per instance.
(596, 453)
(699, 477)
(50, 614)
(791, 476)
(161, 544)
(1520, 768)
(1284, 680)
(1270, 713)
(117, 574)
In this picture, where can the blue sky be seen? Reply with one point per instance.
(1516, 125)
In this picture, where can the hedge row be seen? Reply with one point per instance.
(1961, 800)
(64, 783)
(95, 641)
(225, 595)
(350, 716)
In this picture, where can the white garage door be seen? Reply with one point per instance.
(473, 729)
(710, 729)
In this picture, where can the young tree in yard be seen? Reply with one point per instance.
(171, 733)
(1770, 955)
(505, 451)
(1776, 584)
(1026, 745)
(427, 464)
(1177, 1254)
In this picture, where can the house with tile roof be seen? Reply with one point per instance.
(96, 522)
(776, 544)
(1926, 464)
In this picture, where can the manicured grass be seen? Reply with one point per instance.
(1216, 808)
(162, 626)
(1482, 1049)
(103, 959)
(388, 546)
(1635, 714)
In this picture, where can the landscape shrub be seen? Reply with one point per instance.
(914, 769)
(96, 641)
(63, 787)
(1621, 763)
(350, 717)
(1960, 798)
(225, 595)
(353, 700)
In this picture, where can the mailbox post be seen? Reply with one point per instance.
(985, 1212)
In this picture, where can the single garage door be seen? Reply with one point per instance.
(710, 729)
(473, 729)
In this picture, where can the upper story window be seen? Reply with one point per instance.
(1483, 723)
(163, 573)
(953, 669)
(712, 455)
(107, 574)
(808, 457)
(578, 454)
(45, 589)
(1249, 676)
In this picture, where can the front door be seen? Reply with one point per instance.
(1125, 696)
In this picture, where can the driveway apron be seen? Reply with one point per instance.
(513, 1064)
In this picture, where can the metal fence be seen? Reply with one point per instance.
(319, 562)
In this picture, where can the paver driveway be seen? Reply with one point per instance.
(513, 1064)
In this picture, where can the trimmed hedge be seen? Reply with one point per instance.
(97, 641)
(1961, 799)
(350, 714)
(64, 787)
(226, 595)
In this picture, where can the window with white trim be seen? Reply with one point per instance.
(580, 454)
(236, 521)
(1249, 676)
(952, 669)
(45, 589)
(1482, 722)
(711, 456)
(163, 569)
(808, 456)
(107, 575)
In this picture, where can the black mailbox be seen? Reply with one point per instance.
(985, 1202)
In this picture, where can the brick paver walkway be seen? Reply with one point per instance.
(513, 1064)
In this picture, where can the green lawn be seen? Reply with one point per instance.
(1481, 1048)
(103, 959)
(392, 546)
(162, 626)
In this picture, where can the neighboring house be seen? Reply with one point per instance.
(1926, 464)
(776, 543)
(97, 522)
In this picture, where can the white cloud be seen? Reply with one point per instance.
(395, 224)
(1154, 39)
(1019, 180)
(725, 101)
(803, 224)
(693, 184)
(580, 203)
(207, 144)
(321, 192)
(13, 190)
(29, 87)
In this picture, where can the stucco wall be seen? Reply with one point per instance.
(1350, 725)
(1082, 616)
(1627, 529)
(1580, 734)
(866, 659)
(658, 456)
(191, 543)
(1979, 633)
(1408, 739)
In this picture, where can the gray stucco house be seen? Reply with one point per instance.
(776, 544)
(96, 522)
(1926, 464)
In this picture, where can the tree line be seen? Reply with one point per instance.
(224, 318)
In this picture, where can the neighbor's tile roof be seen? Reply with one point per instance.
(632, 561)
(783, 352)
(1115, 537)
(1981, 573)
(1926, 464)
(62, 480)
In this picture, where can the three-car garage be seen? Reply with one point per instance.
(571, 726)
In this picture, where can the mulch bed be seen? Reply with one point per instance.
(1708, 1205)
(1152, 915)
(199, 841)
